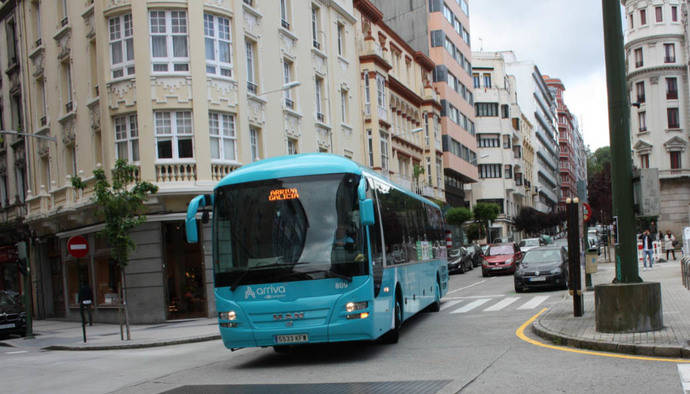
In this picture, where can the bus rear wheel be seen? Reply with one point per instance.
(436, 305)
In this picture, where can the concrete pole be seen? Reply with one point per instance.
(619, 133)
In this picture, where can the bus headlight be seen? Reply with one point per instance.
(355, 306)
(231, 315)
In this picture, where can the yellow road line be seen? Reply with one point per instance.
(520, 333)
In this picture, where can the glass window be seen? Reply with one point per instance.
(169, 50)
(121, 46)
(315, 27)
(218, 45)
(173, 135)
(371, 148)
(126, 138)
(285, 14)
(675, 160)
(254, 142)
(107, 281)
(221, 128)
(672, 115)
(671, 89)
(638, 57)
(639, 86)
(291, 146)
(643, 17)
(674, 13)
(658, 11)
(384, 150)
(251, 66)
(487, 80)
(78, 275)
(642, 119)
(644, 161)
(669, 53)
(341, 39)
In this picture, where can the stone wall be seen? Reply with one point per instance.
(675, 202)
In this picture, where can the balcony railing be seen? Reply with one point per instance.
(249, 2)
(672, 95)
(251, 87)
(289, 104)
(317, 44)
(176, 172)
(320, 117)
(669, 59)
(638, 64)
(640, 99)
(643, 129)
(69, 107)
(285, 24)
(383, 114)
(38, 43)
(44, 120)
(64, 22)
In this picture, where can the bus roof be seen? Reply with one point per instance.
(302, 165)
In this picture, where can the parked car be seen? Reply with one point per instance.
(542, 267)
(12, 315)
(530, 243)
(459, 260)
(592, 243)
(477, 254)
(503, 257)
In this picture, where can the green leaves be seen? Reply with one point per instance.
(458, 215)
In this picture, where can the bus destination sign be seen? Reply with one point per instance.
(283, 194)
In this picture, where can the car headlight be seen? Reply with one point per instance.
(509, 261)
(231, 315)
(355, 306)
(556, 270)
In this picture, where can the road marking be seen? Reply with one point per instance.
(520, 333)
(472, 285)
(501, 304)
(18, 352)
(472, 305)
(684, 372)
(533, 303)
(448, 304)
(477, 296)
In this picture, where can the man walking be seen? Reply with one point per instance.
(647, 249)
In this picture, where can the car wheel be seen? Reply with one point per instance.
(461, 268)
(518, 289)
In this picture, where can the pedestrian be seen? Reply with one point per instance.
(669, 240)
(652, 229)
(647, 249)
(85, 302)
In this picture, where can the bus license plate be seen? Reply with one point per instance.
(538, 279)
(297, 338)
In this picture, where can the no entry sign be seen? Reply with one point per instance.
(587, 212)
(78, 246)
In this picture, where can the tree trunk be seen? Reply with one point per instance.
(124, 300)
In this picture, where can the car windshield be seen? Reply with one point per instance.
(288, 229)
(530, 242)
(498, 250)
(542, 256)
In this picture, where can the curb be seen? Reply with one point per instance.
(612, 347)
(141, 345)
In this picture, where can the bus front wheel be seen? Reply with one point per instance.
(393, 335)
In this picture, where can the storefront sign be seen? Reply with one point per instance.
(78, 246)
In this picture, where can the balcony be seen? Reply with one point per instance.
(320, 117)
(64, 21)
(219, 170)
(176, 172)
(383, 113)
(638, 64)
(289, 104)
(252, 88)
(69, 107)
(672, 95)
(669, 59)
(285, 24)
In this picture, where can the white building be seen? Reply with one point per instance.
(656, 52)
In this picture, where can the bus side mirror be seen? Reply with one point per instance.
(190, 223)
(366, 212)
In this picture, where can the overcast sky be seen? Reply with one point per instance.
(564, 39)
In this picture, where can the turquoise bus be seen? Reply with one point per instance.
(315, 248)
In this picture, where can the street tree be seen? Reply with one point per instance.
(458, 215)
(121, 205)
(483, 213)
(599, 184)
(528, 220)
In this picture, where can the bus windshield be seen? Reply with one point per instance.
(289, 229)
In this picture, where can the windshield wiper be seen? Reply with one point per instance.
(237, 280)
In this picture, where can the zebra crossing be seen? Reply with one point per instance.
(460, 305)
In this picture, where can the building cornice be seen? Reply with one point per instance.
(404, 91)
(675, 67)
(653, 38)
(368, 9)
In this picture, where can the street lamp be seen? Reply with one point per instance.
(40, 136)
(474, 162)
(417, 130)
(287, 86)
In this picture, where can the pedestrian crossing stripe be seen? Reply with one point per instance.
(472, 304)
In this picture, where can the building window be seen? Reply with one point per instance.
(672, 115)
(218, 43)
(508, 173)
(671, 89)
(173, 135)
(255, 142)
(371, 148)
(367, 101)
(11, 43)
(487, 80)
(43, 104)
(46, 172)
(318, 88)
(291, 146)
(384, 150)
(643, 17)
(315, 26)
(107, 281)
(486, 109)
(67, 86)
(121, 46)
(659, 14)
(490, 171)
(78, 272)
(630, 19)
(669, 53)
(488, 141)
(639, 86)
(638, 57)
(506, 142)
(250, 47)
(285, 14)
(674, 13)
(475, 79)
(642, 118)
(505, 111)
(287, 78)
(644, 161)
(221, 128)
(341, 39)
(126, 138)
(439, 172)
(675, 160)
(381, 91)
(344, 106)
(169, 41)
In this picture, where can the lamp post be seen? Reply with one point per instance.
(287, 86)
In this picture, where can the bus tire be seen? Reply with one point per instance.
(393, 335)
(436, 305)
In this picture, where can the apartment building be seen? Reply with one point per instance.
(656, 47)
(187, 91)
(440, 30)
(503, 136)
(538, 104)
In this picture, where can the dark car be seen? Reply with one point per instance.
(477, 254)
(501, 258)
(543, 267)
(12, 316)
(459, 260)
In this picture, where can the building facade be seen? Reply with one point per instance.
(539, 105)
(440, 30)
(656, 47)
(503, 134)
(187, 91)
(401, 124)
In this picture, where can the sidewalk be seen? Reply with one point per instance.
(67, 335)
(559, 326)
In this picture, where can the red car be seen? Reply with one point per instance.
(503, 257)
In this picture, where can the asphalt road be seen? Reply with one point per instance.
(470, 347)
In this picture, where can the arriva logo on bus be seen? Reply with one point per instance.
(266, 291)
